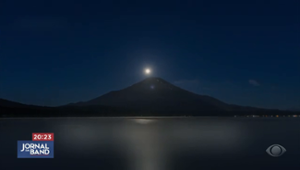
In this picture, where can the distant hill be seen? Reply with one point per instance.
(7, 103)
(295, 109)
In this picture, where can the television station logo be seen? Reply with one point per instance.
(41, 146)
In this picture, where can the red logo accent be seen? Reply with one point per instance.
(43, 136)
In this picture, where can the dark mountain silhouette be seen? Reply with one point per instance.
(7, 103)
(150, 97)
(157, 94)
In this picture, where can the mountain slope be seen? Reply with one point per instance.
(7, 103)
(157, 94)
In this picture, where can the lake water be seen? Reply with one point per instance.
(155, 143)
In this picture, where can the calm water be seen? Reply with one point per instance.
(155, 144)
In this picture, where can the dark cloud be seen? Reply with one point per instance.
(254, 82)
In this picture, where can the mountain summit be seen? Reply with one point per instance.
(157, 94)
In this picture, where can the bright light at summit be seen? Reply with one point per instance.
(147, 71)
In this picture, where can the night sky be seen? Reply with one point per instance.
(61, 51)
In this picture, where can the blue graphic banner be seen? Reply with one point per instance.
(35, 149)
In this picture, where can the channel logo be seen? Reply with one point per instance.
(41, 146)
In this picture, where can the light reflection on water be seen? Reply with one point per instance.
(157, 144)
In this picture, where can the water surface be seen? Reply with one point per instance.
(155, 143)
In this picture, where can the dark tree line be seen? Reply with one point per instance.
(102, 111)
